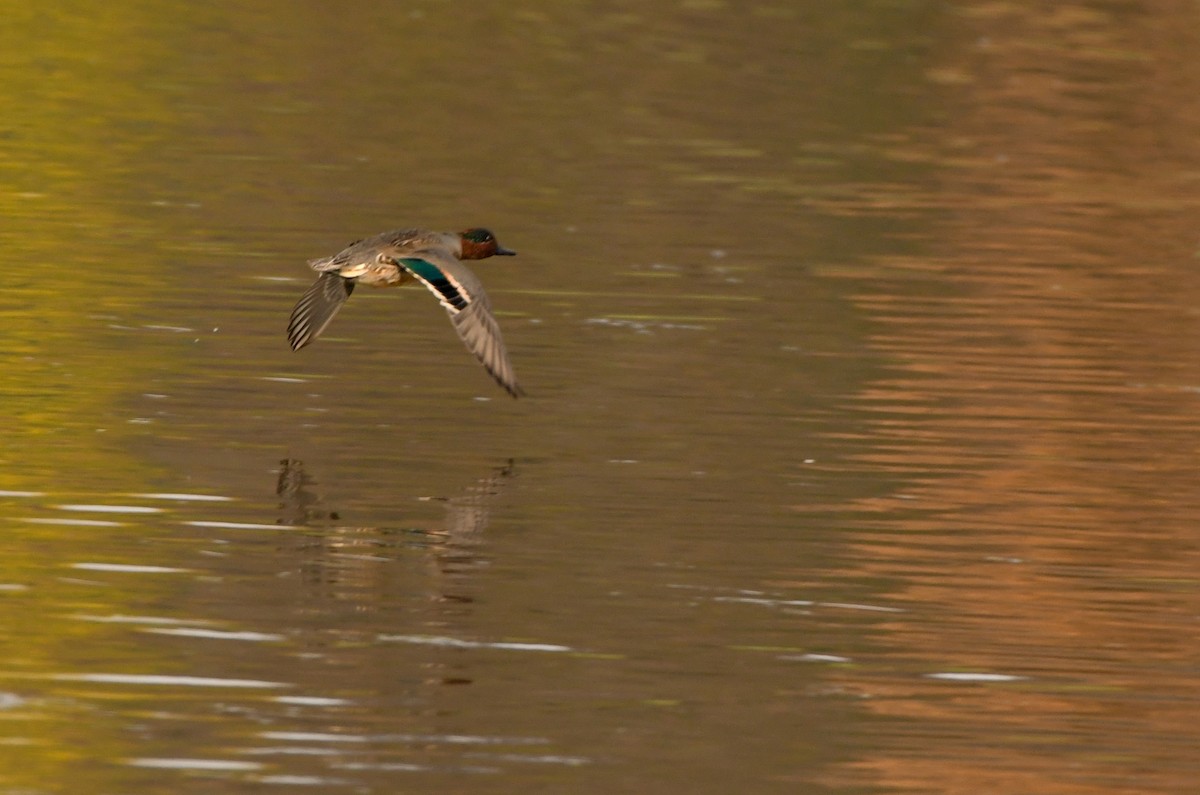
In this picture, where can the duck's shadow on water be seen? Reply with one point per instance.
(336, 554)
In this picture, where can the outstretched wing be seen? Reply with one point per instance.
(316, 308)
(461, 293)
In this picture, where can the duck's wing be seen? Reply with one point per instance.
(317, 307)
(461, 293)
(363, 252)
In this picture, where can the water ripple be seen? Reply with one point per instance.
(164, 679)
(433, 640)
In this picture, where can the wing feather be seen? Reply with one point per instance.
(316, 308)
(461, 294)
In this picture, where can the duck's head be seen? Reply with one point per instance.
(481, 244)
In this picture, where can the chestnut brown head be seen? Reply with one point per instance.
(481, 244)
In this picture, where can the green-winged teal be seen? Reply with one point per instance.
(432, 258)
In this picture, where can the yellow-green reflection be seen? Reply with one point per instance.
(77, 259)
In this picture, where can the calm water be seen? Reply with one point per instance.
(860, 452)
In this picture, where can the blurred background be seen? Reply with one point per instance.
(859, 456)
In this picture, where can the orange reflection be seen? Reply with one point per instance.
(1043, 411)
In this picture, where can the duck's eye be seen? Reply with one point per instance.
(478, 235)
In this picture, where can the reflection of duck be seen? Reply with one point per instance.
(421, 580)
(432, 258)
(297, 502)
(467, 515)
(453, 547)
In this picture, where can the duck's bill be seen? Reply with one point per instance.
(505, 252)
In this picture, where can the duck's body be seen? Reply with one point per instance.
(393, 258)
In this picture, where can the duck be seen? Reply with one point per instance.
(435, 259)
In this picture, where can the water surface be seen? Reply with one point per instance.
(859, 450)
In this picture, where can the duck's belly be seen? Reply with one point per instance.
(377, 274)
